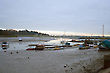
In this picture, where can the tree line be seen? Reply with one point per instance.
(11, 32)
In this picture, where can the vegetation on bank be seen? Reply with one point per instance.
(20, 33)
(27, 33)
(94, 37)
(83, 37)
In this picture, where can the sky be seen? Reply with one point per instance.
(74, 16)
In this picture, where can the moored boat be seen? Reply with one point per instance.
(57, 48)
(20, 39)
(104, 45)
(4, 45)
(36, 47)
(86, 47)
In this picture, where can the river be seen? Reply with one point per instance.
(15, 44)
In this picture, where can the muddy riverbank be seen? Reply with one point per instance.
(59, 61)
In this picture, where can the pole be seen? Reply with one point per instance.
(103, 31)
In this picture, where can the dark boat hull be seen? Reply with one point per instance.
(35, 49)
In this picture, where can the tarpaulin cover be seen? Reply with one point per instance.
(105, 43)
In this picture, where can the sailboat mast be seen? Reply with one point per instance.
(103, 30)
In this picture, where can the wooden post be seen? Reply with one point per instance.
(106, 61)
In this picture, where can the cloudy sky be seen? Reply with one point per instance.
(79, 16)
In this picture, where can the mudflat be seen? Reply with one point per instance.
(59, 61)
